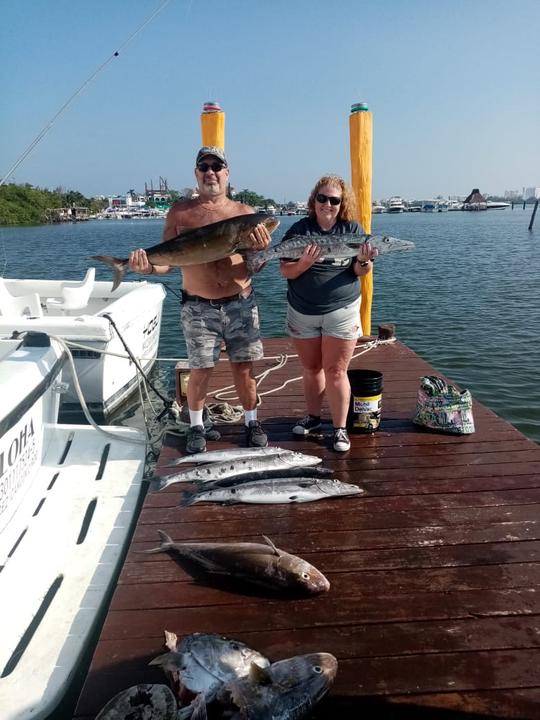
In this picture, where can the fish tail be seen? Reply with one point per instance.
(157, 484)
(190, 498)
(199, 708)
(166, 542)
(118, 266)
(166, 660)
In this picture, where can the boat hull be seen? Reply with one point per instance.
(106, 380)
(33, 372)
(68, 501)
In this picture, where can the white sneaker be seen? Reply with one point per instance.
(341, 440)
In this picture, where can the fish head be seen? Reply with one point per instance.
(332, 486)
(300, 576)
(386, 244)
(298, 681)
(315, 672)
(298, 459)
(271, 223)
(246, 225)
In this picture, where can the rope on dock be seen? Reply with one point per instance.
(227, 392)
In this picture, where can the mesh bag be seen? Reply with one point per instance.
(443, 407)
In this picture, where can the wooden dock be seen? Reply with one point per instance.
(434, 609)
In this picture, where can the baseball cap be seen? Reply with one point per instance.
(211, 150)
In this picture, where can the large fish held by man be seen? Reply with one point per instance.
(200, 245)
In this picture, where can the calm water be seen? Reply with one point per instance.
(466, 300)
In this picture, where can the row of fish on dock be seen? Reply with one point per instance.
(213, 676)
(257, 475)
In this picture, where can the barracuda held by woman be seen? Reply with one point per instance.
(336, 246)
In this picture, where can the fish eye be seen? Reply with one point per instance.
(317, 669)
(305, 575)
(234, 646)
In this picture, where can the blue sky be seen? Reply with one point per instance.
(453, 86)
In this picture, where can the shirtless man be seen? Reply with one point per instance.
(218, 302)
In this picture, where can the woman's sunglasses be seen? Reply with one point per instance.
(205, 167)
(321, 198)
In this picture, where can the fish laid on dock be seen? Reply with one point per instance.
(259, 564)
(240, 466)
(336, 246)
(276, 491)
(141, 702)
(202, 663)
(287, 690)
(315, 471)
(200, 245)
(212, 456)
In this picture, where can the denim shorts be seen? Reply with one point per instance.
(343, 323)
(208, 325)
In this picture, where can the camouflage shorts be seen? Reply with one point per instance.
(235, 323)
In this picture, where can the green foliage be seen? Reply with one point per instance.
(252, 198)
(28, 205)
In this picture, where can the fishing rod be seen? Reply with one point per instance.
(68, 102)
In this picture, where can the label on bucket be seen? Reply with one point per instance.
(365, 413)
(367, 404)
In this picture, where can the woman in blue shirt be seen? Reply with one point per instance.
(323, 311)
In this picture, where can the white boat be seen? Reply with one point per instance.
(68, 497)
(496, 205)
(429, 206)
(377, 208)
(442, 206)
(395, 205)
(76, 312)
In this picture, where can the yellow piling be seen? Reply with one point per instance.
(361, 149)
(213, 125)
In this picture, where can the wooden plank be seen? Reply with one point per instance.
(434, 604)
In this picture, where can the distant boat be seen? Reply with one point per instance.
(429, 205)
(442, 206)
(454, 205)
(494, 205)
(475, 201)
(395, 205)
(377, 209)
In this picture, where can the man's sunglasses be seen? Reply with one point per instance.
(205, 167)
(321, 198)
